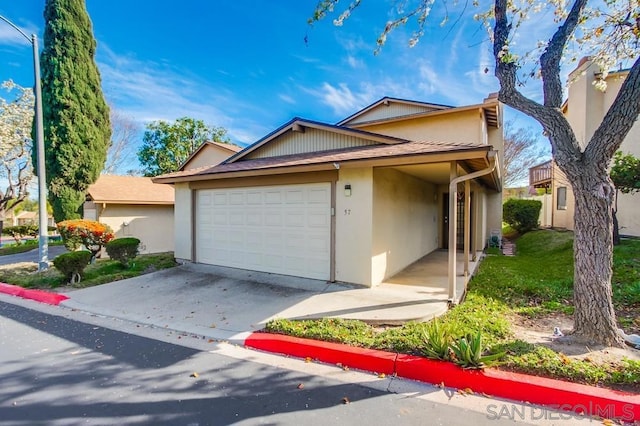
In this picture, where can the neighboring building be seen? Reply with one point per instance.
(28, 218)
(134, 207)
(354, 202)
(585, 108)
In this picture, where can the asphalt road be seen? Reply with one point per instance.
(31, 256)
(63, 367)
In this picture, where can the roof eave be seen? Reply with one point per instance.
(397, 160)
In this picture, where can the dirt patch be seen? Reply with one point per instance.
(541, 331)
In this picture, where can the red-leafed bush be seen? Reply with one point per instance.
(91, 234)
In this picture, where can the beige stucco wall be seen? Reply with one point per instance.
(151, 224)
(462, 127)
(585, 110)
(405, 222)
(183, 222)
(354, 226)
(562, 218)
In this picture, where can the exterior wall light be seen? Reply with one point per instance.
(347, 190)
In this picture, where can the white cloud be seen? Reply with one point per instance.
(286, 98)
(341, 99)
(354, 62)
(149, 91)
(11, 36)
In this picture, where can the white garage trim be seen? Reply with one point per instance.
(283, 229)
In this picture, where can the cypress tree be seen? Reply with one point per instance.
(76, 117)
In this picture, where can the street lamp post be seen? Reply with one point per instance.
(43, 237)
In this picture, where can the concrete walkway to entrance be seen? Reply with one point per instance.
(227, 303)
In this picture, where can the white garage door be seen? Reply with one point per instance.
(283, 229)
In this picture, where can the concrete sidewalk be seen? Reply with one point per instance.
(226, 303)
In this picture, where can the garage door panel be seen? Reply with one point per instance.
(294, 196)
(273, 197)
(280, 229)
(319, 196)
(219, 199)
(273, 218)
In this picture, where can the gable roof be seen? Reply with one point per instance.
(298, 124)
(113, 189)
(411, 107)
(367, 116)
(396, 154)
(225, 147)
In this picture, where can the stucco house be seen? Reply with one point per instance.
(134, 206)
(356, 201)
(209, 153)
(585, 108)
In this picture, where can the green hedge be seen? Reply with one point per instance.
(521, 215)
(72, 264)
(123, 250)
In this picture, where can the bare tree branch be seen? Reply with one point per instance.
(550, 59)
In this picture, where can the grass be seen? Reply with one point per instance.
(22, 248)
(102, 271)
(536, 282)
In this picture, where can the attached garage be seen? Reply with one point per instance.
(284, 229)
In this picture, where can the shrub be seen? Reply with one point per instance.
(522, 215)
(72, 264)
(93, 235)
(123, 249)
(21, 231)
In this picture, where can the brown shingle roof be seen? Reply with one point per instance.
(112, 189)
(332, 156)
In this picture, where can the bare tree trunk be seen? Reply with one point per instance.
(594, 317)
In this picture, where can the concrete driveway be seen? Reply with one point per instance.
(227, 303)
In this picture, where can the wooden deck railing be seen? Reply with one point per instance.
(541, 174)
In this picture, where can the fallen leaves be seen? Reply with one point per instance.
(194, 374)
(345, 400)
(301, 386)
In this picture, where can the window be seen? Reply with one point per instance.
(562, 198)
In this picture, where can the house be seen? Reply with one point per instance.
(28, 218)
(355, 202)
(208, 154)
(585, 108)
(134, 206)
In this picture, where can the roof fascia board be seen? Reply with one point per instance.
(430, 114)
(400, 160)
(387, 100)
(297, 123)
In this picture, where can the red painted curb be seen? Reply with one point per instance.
(558, 394)
(37, 295)
(555, 394)
(332, 353)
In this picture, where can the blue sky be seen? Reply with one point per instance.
(245, 65)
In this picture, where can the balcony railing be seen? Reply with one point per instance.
(540, 175)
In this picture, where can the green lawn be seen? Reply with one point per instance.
(102, 271)
(24, 247)
(536, 282)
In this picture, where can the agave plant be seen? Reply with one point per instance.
(437, 341)
(468, 352)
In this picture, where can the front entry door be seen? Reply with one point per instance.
(459, 219)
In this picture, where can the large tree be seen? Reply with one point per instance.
(609, 32)
(521, 152)
(16, 117)
(76, 116)
(167, 145)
